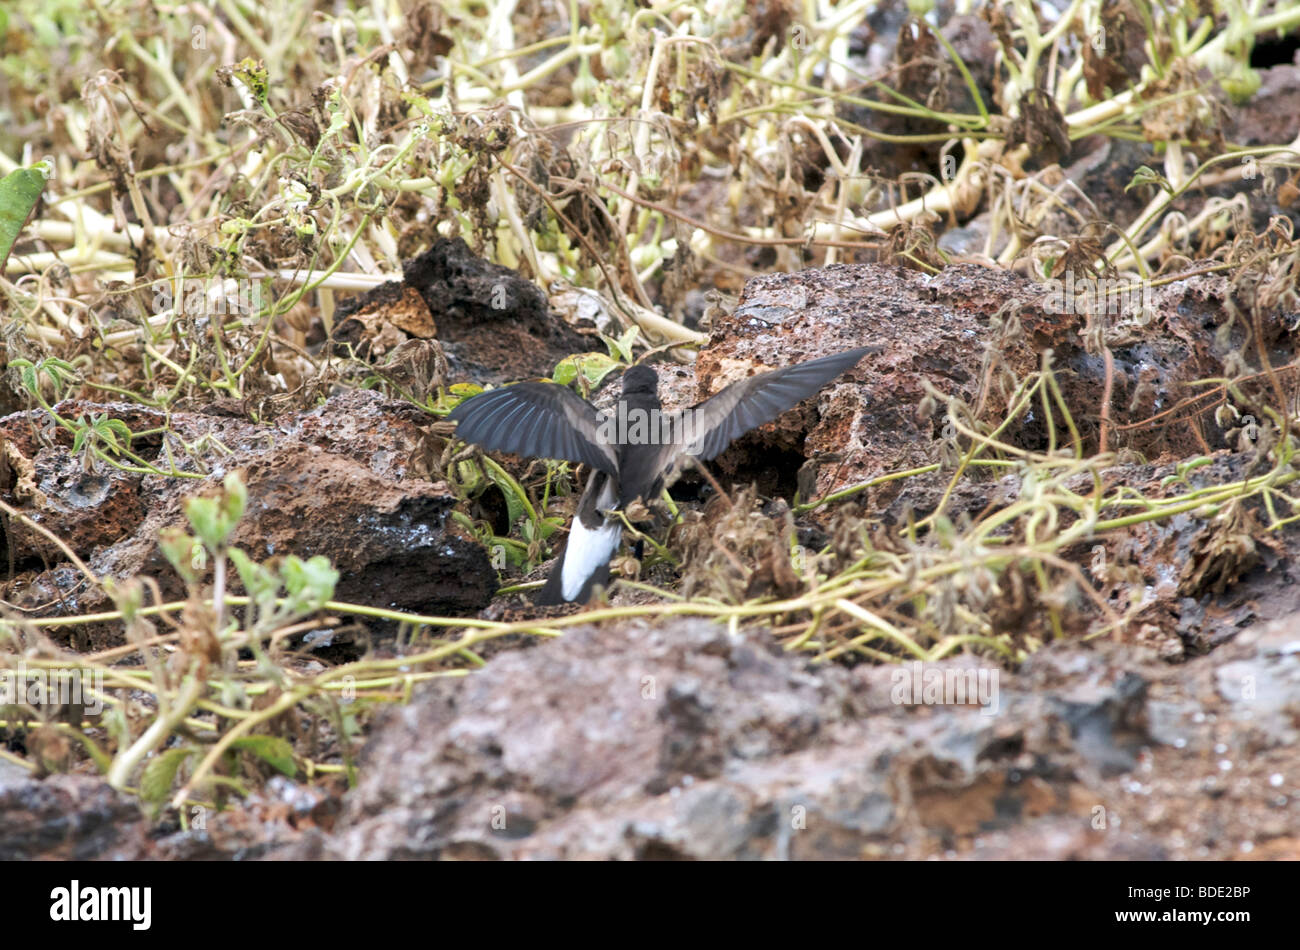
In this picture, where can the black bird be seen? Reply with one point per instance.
(632, 452)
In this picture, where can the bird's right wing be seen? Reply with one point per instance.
(541, 420)
(749, 403)
(705, 430)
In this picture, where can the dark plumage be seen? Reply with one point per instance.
(634, 451)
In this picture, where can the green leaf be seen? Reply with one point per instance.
(58, 370)
(592, 367)
(1149, 176)
(205, 518)
(625, 341)
(117, 430)
(214, 519)
(178, 548)
(514, 504)
(310, 583)
(158, 775)
(256, 579)
(566, 371)
(468, 476)
(225, 781)
(20, 190)
(128, 597)
(234, 501)
(621, 348)
(101, 758)
(462, 391)
(272, 750)
(253, 74)
(29, 380)
(516, 553)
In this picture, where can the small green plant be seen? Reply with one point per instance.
(278, 595)
(59, 373)
(113, 435)
(97, 438)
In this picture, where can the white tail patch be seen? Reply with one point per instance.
(589, 549)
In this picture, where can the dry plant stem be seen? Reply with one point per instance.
(880, 626)
(756, 240)
(162, 68)
(958, 196)
(283, 704)
(713, 482)
(162, 727)
(665, 326)
(1106, 391)
(857, 489)
(505, 200)
(864, 609)
(1284, 19)
(1213, 207)
(641, 140)
(841, 208)
(219, 592)
(834, 596)
(980, 442)
(1024, 69)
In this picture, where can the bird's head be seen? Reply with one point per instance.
(640, 379)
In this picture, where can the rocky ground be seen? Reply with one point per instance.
(680, 738)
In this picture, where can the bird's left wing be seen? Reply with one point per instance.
(541, 420)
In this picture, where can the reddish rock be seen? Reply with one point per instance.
(347, 480)
(679, 740)
(942, 330)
